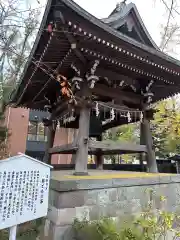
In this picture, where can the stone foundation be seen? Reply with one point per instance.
(92, 199)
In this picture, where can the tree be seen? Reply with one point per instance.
(166, 128)
(125, 133)
(17, 31)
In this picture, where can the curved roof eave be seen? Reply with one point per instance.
(87, 16)
(144, 27)
(124, 13)
(98, 23)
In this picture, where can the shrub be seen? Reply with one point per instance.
(26, 231)
(149, 225)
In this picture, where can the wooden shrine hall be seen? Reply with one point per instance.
(93, 75)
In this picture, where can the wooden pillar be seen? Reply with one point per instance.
(151, 158)
(99, 159)
(83, 136)
(75, 139)
(142, 142)
(178, 166)
(51, 130)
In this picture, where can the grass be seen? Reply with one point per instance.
(26, 231)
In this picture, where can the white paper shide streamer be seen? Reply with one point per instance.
(114, 112)
(97, 109)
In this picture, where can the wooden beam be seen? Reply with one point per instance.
(116, 94)
(72, 40)
(121, 121)
(115, 76)
(102, 148)
(116, 147)
(118, 122)
(115, 105)
(61, 106)
(64, 149)
(51, 130)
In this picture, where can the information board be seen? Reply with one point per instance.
(24, 188)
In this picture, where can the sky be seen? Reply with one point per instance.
(153, 13)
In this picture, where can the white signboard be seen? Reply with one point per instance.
(24, 188)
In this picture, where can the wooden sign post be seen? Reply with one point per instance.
(24, 189)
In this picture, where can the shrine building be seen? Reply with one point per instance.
(95, 74)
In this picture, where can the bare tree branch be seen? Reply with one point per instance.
(169, 9)
(17, 29)
(162, 45)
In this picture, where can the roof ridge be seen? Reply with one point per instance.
(119, 7)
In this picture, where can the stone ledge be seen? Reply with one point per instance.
(55, 232)
(66, 216)
(89, 184)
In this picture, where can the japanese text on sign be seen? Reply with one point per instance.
(23, 195)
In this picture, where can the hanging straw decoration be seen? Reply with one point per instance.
(141, 117)
(97, 109)
(129, 117)
(58, 125)
(67, 118)
(114, 112)
(91, 77)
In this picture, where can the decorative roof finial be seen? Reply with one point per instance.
(120, 5)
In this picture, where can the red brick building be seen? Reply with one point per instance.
(28, 135)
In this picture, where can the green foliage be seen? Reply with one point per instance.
(166, 128)
(123, 134)
(96, 230)
(27, 231)
(18, 26)
(3, 135)
(151, 224)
